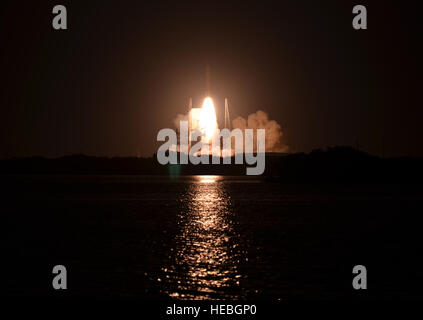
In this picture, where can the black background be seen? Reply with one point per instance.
(124, 69)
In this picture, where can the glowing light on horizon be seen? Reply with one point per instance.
(207, 179)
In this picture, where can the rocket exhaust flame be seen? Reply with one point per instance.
(208, 123)
(249, 143)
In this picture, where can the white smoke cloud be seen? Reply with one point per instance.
(257, 120)
(260, 120)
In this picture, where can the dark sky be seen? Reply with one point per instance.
(124, 69)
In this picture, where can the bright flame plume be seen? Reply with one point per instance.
(208, 123)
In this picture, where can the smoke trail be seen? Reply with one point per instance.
(257, 120)
(260, 120)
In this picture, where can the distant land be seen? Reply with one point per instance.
(330, 165)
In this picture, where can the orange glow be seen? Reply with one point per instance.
(207, 179)
(208, 122)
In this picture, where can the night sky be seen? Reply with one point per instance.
(124, 69)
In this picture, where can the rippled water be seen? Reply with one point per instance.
(204, 237)
(205, 252)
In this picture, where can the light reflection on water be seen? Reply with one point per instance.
(205, 255)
